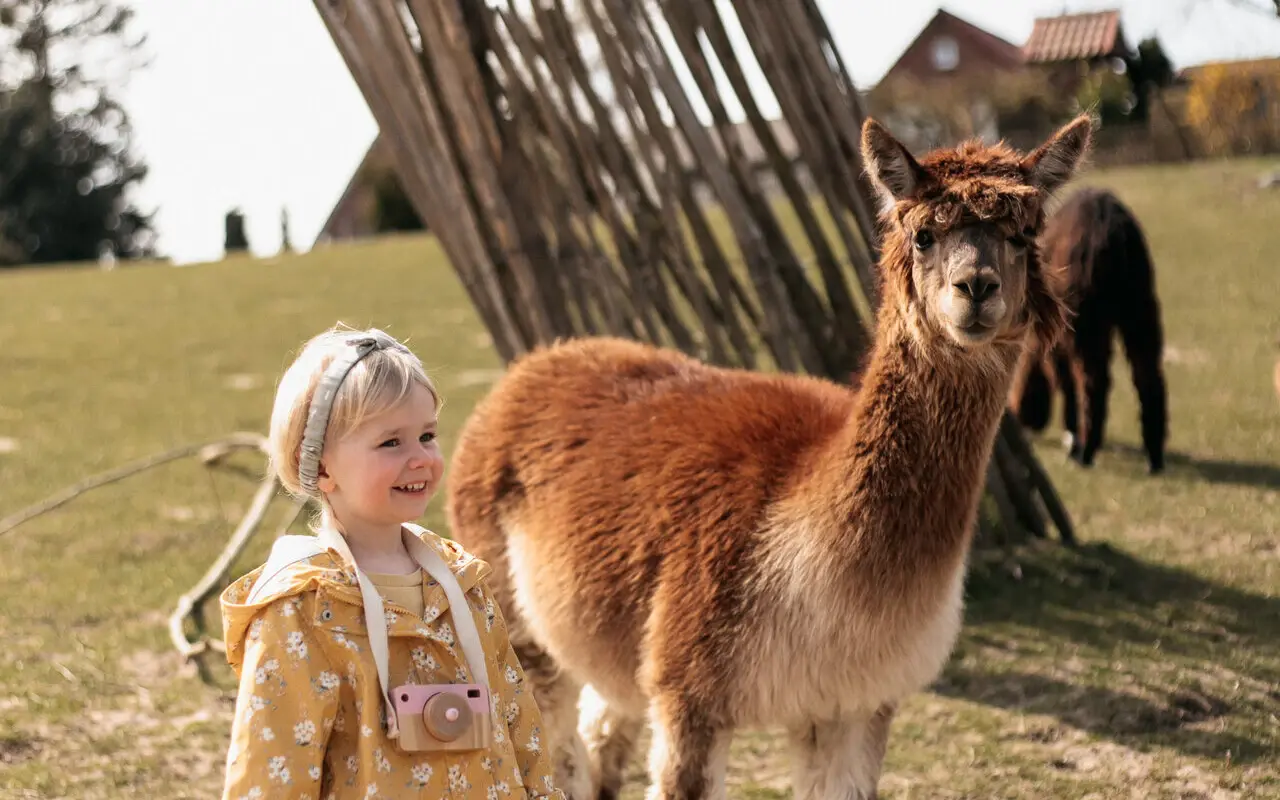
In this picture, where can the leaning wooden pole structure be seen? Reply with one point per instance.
(606, 167)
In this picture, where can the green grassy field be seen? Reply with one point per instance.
(1144, 664)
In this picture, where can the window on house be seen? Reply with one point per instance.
(946, 53)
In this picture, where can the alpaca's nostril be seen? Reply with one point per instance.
(978, 287)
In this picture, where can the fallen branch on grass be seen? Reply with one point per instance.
(210, 453)
(189, 604)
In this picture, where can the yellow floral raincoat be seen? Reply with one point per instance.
(308, 720)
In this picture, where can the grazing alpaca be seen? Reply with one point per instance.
(711, 548)
(1096, 242)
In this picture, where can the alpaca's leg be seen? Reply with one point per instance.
(1092, 368)
(1033, 394)
(1070, 400)
(689, 755)
(1148, 379)
(611, 741)
(841, 759)
(1143, 345)
(557, 698)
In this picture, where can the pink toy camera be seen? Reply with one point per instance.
(443, 717)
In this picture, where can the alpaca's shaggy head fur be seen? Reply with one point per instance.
(960, 263)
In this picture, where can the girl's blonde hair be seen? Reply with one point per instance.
(375, 384)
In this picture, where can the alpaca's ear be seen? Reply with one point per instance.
(1053, 163)
(892, 169)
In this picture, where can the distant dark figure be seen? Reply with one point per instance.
(234, 238)
(1097, 243)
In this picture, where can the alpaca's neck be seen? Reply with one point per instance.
(901, 482)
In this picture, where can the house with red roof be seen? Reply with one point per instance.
(1071, 44)
(944, 84)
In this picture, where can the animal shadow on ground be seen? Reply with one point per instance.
(1241, 473)
(1151, 620)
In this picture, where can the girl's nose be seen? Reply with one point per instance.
(421, 454)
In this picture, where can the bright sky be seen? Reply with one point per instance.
(247, 103)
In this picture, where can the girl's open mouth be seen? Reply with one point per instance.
(412, 488)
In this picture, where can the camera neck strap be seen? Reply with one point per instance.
(467, 634)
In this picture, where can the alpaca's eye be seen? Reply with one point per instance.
(924, 239)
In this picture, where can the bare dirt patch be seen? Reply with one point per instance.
(151, 669)
(1185, 355)
(243, 382)
(17, 748)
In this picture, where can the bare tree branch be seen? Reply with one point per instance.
(210, 453)
(189, 604)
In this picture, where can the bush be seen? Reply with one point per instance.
(1234, 109)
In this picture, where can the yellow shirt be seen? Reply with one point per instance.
(403, 590)
(308, 721)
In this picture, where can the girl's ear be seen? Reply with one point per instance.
(324, 482)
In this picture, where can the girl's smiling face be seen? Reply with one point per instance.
(384, 471)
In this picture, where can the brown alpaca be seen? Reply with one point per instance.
(709, 549)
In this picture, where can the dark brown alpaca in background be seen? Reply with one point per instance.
(1098, 243)
(705, 549)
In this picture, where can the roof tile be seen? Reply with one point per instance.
(1072, 36)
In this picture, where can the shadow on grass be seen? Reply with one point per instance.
(1183, 466)
(1208, 470)
(1142, 622)
(1131, 720)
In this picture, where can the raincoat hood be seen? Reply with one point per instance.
(299, 564)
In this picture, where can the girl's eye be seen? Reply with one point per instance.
(427, 437)
(390, 443)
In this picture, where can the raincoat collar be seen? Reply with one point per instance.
(297, 566)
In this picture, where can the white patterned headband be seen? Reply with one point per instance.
(322, 402)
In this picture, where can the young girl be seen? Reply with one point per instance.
(361, 676)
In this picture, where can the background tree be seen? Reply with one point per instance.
(67, 169)
(1148, 70)
(1107, 93)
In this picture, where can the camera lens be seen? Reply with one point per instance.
(446, 716)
